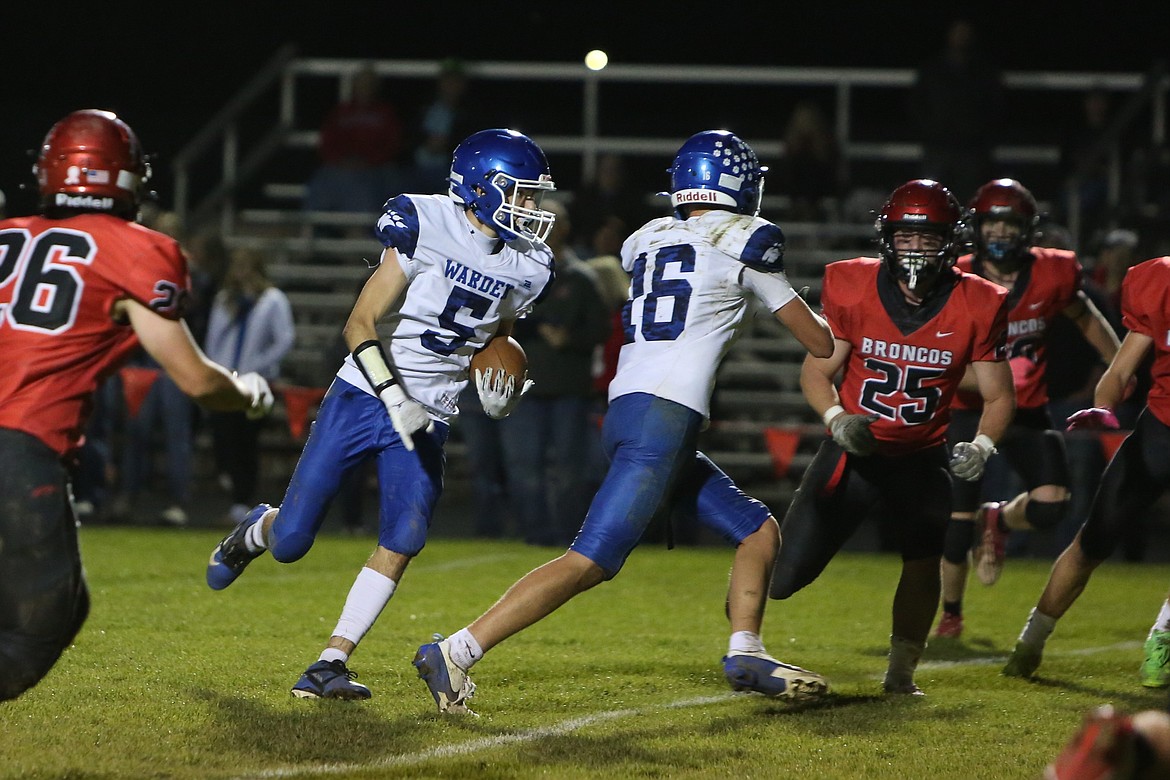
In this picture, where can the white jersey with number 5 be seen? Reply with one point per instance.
(457, 293)
(689, 292)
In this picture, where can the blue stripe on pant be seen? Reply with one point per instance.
(655, 468)
(352, 426)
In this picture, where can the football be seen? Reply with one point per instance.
(502, 353)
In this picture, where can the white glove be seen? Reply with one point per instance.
(499, 398)
(969, 457)
(852, 431)
(257, 387)
(407, 416)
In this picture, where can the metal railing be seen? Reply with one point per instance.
(284, 74)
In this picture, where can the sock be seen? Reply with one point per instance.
(745, 642)
(464, 649)
(953, 607)
(904, 655)
(369, 594)
(333, 654)
(1163, 621)
(1037, 629)
(254, 537)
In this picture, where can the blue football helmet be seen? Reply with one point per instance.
(495, 173)
(717, 168)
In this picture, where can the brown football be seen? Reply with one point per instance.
(502, 353)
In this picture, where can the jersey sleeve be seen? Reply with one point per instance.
(753, 241)
(398, 227)
(153, 272)
(1135, 313)
(835, 314)
(992, 315)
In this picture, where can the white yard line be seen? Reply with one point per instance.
(574, 724)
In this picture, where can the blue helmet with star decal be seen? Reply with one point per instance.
(501, 176)
(716, 169)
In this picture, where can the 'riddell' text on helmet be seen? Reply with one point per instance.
(716, 167)
(496, 173)
(91, 160)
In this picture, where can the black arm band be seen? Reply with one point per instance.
(371, 360)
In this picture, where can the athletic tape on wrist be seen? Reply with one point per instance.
(371, 360)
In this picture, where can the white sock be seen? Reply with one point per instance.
(464, 649)
(254, 537)
(370, 593)
(1163, 621)
(745, 642)
(904, 655)
(1037, 629)
(333, 654)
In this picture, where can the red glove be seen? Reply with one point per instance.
(1093, 420)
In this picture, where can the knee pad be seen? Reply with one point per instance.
(960, 537)
(1045, 514)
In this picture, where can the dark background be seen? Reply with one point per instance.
(167, 68)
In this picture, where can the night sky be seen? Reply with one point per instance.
(169, 69)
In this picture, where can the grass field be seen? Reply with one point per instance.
(169, 679)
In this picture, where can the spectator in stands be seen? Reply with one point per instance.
(359, 146)
(606, 194)
(957, 105)
(1080, 156)
(544, 438)
(250, 330)
(811, 169)
(444, 122)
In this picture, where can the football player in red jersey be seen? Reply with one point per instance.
(1136, 477)
(81, 286)
(1042, 284)
(907, 327)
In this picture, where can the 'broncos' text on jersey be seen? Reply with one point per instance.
(905, 372)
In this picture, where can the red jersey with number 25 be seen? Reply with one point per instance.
(1045, 287)
(1145, 309)
(908, 379)
(59, 281)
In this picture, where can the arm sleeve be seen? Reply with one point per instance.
(992, 342)
(772, 289)
(1133, 316)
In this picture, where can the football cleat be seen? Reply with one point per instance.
(1024, 661)
(449, 685)
(761, 673)
(329, 680)
(950, 626)
(907, 688)
(1156, 667)
(231, 555)
(988, 555)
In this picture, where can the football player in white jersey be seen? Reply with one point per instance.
(456, 270)
(694, 275)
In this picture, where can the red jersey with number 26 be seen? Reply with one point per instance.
(59, 281)
(1145, 309)
(905, 378)
(1045, 287)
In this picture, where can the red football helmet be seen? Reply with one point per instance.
(1004, 199)
(921, 205)
(91, 161)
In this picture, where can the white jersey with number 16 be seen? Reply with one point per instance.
(688, 298)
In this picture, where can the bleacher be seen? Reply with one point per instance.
(256, 201)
